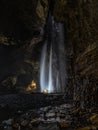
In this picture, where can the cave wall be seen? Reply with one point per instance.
(81, 23)
(21, 33)
(21, 19)
(86, 76)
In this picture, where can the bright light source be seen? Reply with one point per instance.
(45, 91)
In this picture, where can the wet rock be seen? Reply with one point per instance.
(24, 123)
(75, 111)
(88, 128)
(42, 10)
(94, 119)
(63, 125)
(10, 81)
(30, 126)
(7, 122)
(35, 122)
(16, 126)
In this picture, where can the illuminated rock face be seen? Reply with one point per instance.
(31, 87)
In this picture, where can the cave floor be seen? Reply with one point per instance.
(61, 117)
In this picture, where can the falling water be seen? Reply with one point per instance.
(57, 82)
(50, 82)
(52, 68)
(46, 75)
(43, 81)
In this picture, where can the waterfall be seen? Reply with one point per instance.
(57, 82)
(50, 82)
(46, 75)
(52, 68)
(43, 80)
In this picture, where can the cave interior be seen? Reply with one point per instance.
(49, 57)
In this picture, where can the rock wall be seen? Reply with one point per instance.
(21, 33)
(81, 29)
(86, 77)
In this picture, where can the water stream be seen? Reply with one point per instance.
(52, 67)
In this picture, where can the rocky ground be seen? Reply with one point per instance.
(55, 116)
(34, 100)
(10, 104)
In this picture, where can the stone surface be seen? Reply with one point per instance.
(50, 117)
